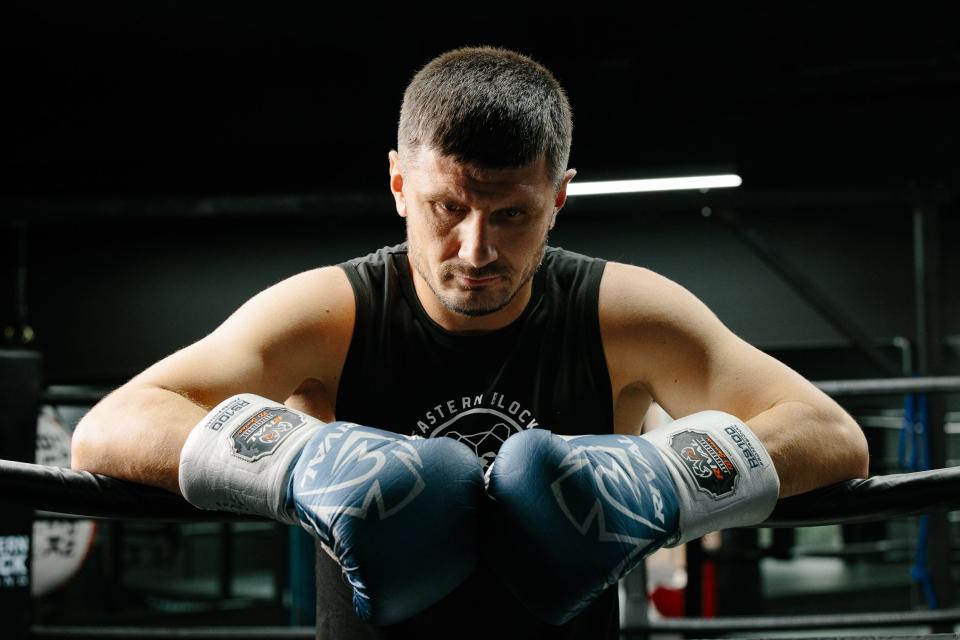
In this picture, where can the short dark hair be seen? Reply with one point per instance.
(487, 106)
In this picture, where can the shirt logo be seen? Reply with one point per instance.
(483, 422)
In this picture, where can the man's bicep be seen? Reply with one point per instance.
(297, 329)
(208, 371)
(660, 336)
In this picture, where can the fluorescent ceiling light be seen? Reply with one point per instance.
(653, 184)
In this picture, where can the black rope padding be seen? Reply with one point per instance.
(56, 490)
(711, 627)
(172, 633)
(870, 500)
(80, 493)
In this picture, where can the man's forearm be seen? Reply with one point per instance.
(811, 446)
(136, 434)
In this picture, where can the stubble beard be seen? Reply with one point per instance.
(446, 272)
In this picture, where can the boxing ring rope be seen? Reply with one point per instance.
(57, 491)
(889, 386)
(171, 633)
(703, 627)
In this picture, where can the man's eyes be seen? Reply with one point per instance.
(451, 208)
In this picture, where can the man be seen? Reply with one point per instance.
(475, 330)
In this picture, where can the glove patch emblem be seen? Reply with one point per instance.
(712, 469)
(262, 433)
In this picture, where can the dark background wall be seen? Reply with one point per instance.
(163, 161)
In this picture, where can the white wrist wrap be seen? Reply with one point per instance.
(724, 476)
(238, 458)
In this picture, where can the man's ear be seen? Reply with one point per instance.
(561, 198)
(396, 183)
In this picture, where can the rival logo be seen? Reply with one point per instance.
(354, 460)
(627, 508)
(711, 467)
(262, 433)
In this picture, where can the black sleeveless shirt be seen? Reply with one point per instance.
(406, 374)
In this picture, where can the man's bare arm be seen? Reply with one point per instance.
(292, 335)
(660, 338)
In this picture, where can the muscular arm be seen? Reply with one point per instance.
(660, 340)
(287, 339)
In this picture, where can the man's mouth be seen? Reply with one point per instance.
(478, 282)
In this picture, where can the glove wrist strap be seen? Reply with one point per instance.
(724, 476)
(239, 457)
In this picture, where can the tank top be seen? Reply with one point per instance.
(406, 374)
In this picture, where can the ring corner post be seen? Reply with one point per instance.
(20, 381)
(928, 285)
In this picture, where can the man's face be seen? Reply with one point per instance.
(475, 236)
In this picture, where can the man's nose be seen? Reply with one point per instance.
(476, 246)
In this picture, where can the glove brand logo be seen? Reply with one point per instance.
(355, 459)
(216, 422)
(699, 464)
(262, 433)
(746, 447)
(622, 476)
(711, 467)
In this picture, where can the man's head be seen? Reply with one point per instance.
(484, 139)
(487, 107)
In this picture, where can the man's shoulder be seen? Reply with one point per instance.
(633, 296)
(379, 258)
(568, 267)
(376, 271)
(559, 255)
(364, 271)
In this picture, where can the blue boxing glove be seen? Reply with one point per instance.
(573, 515)
(399, 514)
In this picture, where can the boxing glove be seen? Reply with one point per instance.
(399, 514)
(573, 515)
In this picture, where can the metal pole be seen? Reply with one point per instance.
(225, 575)
(21, 284)
(889, 386)
(693, 594)
(926, 262)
